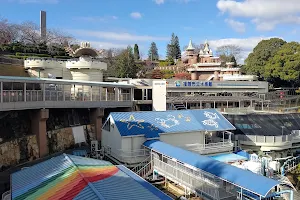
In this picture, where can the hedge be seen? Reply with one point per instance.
(32, 54)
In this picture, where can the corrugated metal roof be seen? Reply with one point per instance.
(250, 181)
(73, 177)
(152, 123)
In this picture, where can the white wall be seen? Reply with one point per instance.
(84, 63)
(159, 93)
(112, 139)
(132, 143)
(181, 139)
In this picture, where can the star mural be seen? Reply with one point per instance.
(132, 122)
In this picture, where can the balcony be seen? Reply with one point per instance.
(130, 158)
(18, 93)
(211, 148)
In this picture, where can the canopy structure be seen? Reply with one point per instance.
(249, 181)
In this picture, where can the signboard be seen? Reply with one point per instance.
(193, 83)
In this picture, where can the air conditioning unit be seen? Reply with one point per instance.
(94, 148)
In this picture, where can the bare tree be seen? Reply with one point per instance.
(8, 32)
(229, 51)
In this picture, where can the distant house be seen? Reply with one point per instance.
(124, 133)
(73, 177)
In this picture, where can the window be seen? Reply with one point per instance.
(106, 126)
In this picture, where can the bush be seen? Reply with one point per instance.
(32, 54)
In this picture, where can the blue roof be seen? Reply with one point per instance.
(228, 157)
(152, 123)
(250, 181)
(74, 177)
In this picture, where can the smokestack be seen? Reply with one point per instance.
(43, 27)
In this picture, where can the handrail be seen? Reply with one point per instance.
(289, 165)
(58, 95)
(138, 167)
(210, 148)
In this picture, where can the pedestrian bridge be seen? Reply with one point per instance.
(19, 93)
(207, 177)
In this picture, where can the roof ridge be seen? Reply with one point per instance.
(83, 177)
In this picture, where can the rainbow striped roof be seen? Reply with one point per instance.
(72, 177)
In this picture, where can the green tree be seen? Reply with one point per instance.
(232, 59)
(136, 52)
(285, 64)
(124, 65)
(173, 48)
(153, 52)
(266, 49)
(177, 48)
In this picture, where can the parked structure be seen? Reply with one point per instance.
(74, 177)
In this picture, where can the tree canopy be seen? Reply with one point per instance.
(173, 48)
(136, 52)
(257, 60)
(229, 51)
(153, 52)
(285, 64)
(125, 66)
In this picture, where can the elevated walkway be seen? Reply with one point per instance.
(205, 176)
(19, 93)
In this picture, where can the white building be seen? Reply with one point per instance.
(202, 131)
(84, 67)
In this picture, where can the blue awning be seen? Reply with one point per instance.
(250, 181)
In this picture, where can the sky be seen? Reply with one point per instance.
(119, 23)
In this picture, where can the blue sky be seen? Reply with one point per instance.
(118, 23)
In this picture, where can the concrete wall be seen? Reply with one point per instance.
(181, 139)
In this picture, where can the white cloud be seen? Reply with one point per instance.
(136, 15)
(266, 14)
(117, 36)
(246, 44)
(97, 18)
(108, 45)
(159, 1)
(236, 25)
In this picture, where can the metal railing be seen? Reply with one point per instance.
(210, 148)
(123, 156)
(290, 165)
(56, 95)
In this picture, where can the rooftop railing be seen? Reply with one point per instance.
(210, 148)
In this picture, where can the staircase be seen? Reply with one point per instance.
(144, 169)
(178, 106)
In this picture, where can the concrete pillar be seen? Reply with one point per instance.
(96, 115)
(38, 127)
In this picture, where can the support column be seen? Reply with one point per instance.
(96, 115)
(38, 127)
